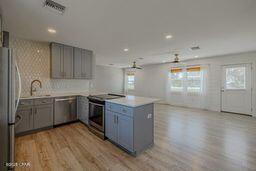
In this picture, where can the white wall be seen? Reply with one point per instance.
(152, 80)
(108, 79)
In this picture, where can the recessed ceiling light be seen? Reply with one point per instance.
(38, 51)
(126, 49)
(50, 30)
(164, 61)
(196, 56)
(168, 36)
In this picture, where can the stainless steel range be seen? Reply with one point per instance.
(97, 112)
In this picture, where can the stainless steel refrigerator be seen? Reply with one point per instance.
(10, 88)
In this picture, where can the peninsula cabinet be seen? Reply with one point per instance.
(70, 62)
(61, 61)
(131, 128)
(82, 63)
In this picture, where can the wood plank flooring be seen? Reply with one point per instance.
(185, 140)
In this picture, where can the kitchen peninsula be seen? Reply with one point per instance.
(130, 123)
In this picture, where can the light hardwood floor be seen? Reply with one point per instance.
(185, 140)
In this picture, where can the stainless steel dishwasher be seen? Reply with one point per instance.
(65, 110)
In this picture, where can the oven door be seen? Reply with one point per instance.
(96, 116)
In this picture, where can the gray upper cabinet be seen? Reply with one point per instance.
(61, 61)
(83, 62)
(68, 62)
(43, 116)
(57, 60)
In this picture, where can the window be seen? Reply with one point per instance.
(176, 77)
(187, 80)
(235, 78)
(130, 81)
(194, 80)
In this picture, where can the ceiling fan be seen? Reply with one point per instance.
(176, 59)
(134, 66)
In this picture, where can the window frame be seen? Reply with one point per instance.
(185, 79)
(128, 87)
(245, 77)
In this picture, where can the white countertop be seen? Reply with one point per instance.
(62, 94)
(133, 101)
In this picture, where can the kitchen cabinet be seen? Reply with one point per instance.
(131, 128)
(57, 60)
(125, 131)
(43, 116)
(69, 62)
(83, 109)
(111, 125)
(24, 120)
(83, 62)
(61, 61)
(33, 115)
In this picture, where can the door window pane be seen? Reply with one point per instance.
(235, 78)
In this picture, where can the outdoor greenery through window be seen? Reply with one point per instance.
(130, 81)
(235, 78)
(188, 79)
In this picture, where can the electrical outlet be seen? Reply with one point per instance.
(149, 116)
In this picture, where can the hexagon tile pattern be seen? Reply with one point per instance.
(33, 59)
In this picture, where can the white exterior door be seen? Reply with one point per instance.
(236, 93)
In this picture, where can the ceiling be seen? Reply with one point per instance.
(108, 26)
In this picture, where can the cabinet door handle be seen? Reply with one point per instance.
(117, 119)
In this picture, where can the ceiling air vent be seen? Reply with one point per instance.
(195, 48)
(55, 6)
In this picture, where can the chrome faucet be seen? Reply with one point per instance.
(31, 86)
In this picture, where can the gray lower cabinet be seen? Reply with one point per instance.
(34, 114)
(43, 116)
(83, 109)
(83, 63)
(125, 131)
(130, 128)
(111, 125)
(24, 120)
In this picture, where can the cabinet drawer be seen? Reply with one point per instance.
(43, 101)
(24, 103)
(128, 111)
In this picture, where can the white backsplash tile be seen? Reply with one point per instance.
(33, 59)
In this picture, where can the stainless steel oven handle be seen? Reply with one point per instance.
(65, 99)
(96, 104)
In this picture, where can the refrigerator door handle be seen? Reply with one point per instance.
(19, 93)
